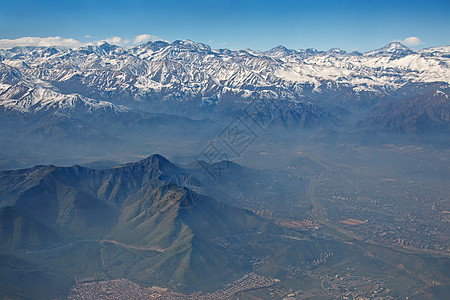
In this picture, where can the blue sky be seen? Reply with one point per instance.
(234, 24)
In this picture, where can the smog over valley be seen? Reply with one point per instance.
(224, 149)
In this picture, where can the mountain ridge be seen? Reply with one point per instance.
(193, 72)
(133, 205)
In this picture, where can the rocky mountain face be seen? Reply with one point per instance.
(134, 205)
(66, 199)
(426, 113)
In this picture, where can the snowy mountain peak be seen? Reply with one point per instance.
(190, 45)
(102, 49)
(336, 51)
(394, 50)
(107, 47)
(279, 50)
(396, 45)
(155, 46)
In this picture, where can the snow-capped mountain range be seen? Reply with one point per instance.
(185, 72)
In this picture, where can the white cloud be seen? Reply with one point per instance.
(55, 41)
(87, 36)
(143, 38)
(412, 41)
(117, 40)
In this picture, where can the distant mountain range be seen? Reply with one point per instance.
(184, 77)
(101, 97)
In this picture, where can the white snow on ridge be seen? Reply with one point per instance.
(31, 94)
(43, 99)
